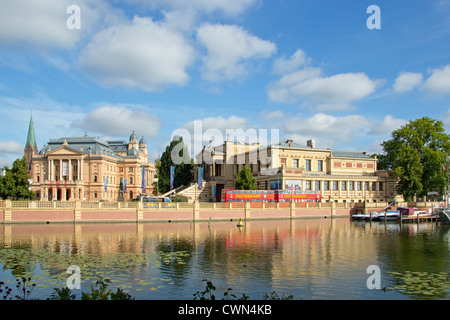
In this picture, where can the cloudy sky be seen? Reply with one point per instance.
(310, 69)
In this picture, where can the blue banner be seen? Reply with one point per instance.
(144, 189)
(172, 174)
(200, 178)
(124, 185)
(106, 184)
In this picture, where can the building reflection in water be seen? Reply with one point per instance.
(317, 258)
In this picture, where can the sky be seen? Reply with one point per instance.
(342, 73)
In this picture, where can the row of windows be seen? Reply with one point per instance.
(308, 164)
(344, 185)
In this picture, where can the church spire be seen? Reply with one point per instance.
(30, 146)
(31, 138)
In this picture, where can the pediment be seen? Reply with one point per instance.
(64, 151)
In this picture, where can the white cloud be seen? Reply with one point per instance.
(41, 25)
(142, 53)
(328, 128)
(283, 66)
(439, 81)
(335, 92)
(120, 121)
(387, 125)
(230, 49)
(407, 81)
(11, 147)
(228, 7)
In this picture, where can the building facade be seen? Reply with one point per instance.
(338, 176)
(90, 169)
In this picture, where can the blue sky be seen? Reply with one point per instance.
(309, 69)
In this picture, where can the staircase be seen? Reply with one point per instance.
(204, 195)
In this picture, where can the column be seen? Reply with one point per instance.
(60, 169)
(81, 169)
(70, 170)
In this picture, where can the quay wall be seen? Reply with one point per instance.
(87, 212)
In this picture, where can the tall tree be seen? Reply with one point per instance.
(416, 154)
(176, 154)
(245, 180)
(15, 183)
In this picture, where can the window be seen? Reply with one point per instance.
(130, 169)
(359, 185)
(366, 186)
(351, 185)
(95, 178)
(344, 186)
(335, 185)
(308, 165)
(319, 165)
(308, 185)
(380, 186)
(317, 186)
(283, 162)
(295, 163)
(326, 185)
(374, 186)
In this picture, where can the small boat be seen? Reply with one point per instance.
(365, 216)
(391, 215)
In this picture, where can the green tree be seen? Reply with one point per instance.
(15, 183)
(245, 180)
(416, 154)
(176, 154)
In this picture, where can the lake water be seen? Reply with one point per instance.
(309, 259)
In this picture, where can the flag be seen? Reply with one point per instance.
(200, 178)
(143, 179)
(124, 185)
(172, 174)
(106, 184)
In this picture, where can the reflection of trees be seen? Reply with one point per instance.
(175, 255)
(417, 259)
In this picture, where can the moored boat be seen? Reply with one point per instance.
(391, 215)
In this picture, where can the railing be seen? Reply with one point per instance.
(114, 205)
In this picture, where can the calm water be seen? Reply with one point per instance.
(309, 259)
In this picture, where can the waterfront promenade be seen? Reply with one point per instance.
(78, 211)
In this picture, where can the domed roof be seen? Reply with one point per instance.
(133, 136)
(142, 141)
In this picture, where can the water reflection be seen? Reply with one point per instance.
(311, 259)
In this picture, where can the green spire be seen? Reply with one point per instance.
(31, 138)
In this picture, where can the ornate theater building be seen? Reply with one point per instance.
(89, 169)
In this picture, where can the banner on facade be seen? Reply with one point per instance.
(200, 178)
(144, 189)
(106, 184)
(172, 174)
(65, 169)
(124, 185)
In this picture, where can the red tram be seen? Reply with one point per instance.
(231, 195)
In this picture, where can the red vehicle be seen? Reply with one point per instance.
(230, 195)
(298, 196)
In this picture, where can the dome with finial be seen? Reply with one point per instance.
(142, 142)
(133, 137)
